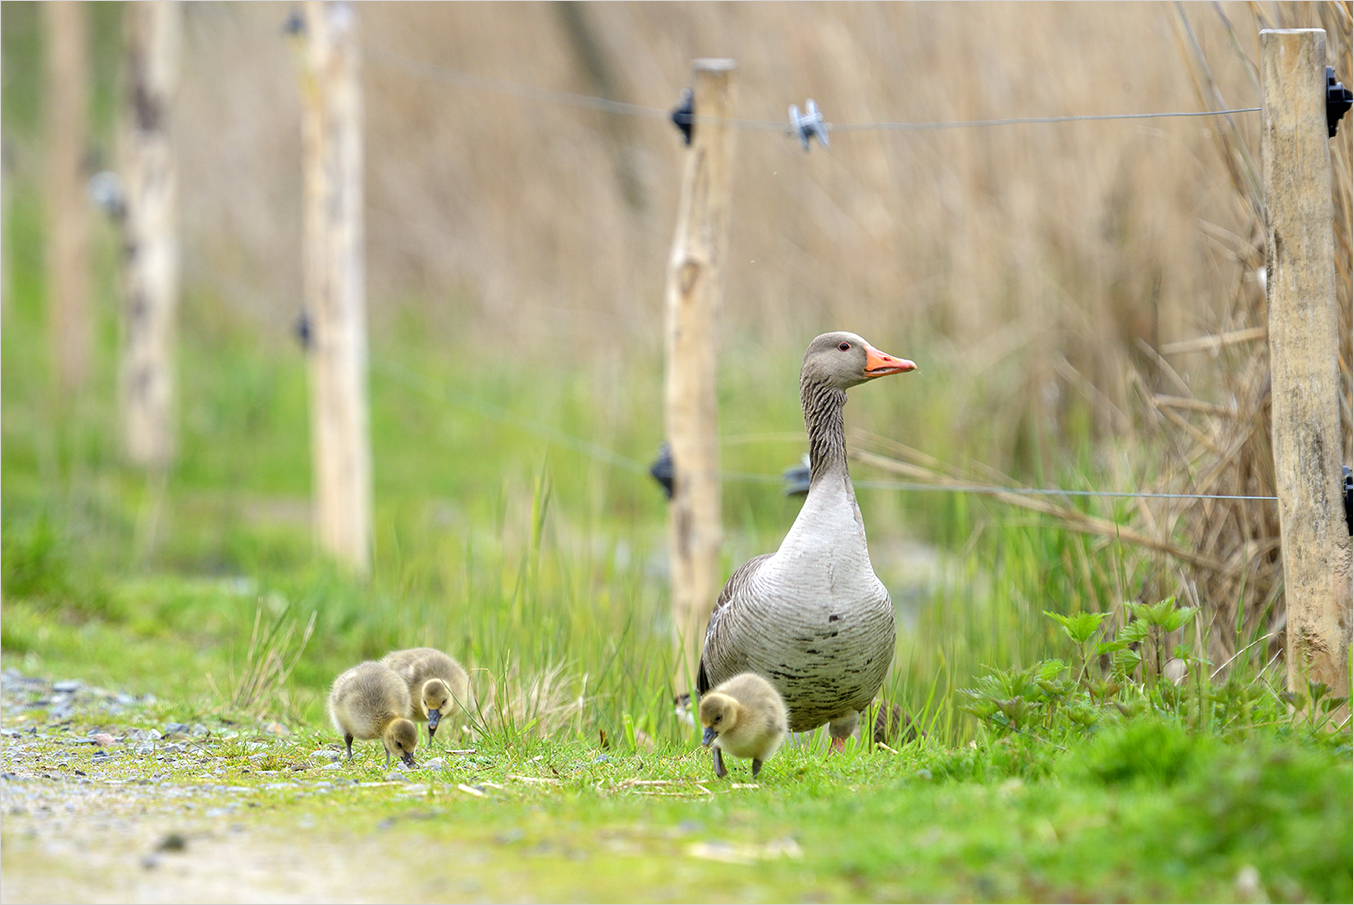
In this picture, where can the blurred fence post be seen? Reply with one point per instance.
(1303, 352)
(150, 234)
(69, 315)
(335, 283)
(691, 302)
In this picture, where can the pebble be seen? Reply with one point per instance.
(67, 686)
(145, 749)
(396, 776)
(176, 729)
(435, 763)
(199, 730)
(325, 754)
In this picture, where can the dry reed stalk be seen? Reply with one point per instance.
(1224, 446)
(543, 703)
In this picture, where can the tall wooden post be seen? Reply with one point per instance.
(335, 283)
(150, 233)
(1303, 353)
(691, 302)
(68, 305)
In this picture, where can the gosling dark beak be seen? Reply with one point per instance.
(434, 717)
(408, 758)
(708, 737)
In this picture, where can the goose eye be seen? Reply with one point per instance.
(718, 718)
(844, 346)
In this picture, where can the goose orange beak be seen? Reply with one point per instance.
(878, 364)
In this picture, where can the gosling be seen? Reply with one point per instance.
(369, 701)
(437, 684)
(746, 717)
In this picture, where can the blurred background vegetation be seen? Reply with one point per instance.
(1049, 280)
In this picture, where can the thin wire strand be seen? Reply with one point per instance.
(437, 72)
(424, 384)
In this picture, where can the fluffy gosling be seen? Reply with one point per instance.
(370, 701)
(437, 684)
(746, 717)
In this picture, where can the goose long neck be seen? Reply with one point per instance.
(826, 428)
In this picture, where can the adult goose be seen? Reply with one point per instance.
(813, 618)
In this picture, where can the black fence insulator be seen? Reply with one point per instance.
(295, 24)
(796, 478)
(661, 469)
(302, 330)
(1349, 500)
(1338, 100)
(682, 115)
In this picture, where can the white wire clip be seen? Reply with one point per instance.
(809, 124)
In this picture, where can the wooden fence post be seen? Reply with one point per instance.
(1303, 353)
(691, 301)
(335, 284)
(68, 306)
(150, 234)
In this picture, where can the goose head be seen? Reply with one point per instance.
(437, 700)
(841, 360)
(718, 713)
(400, 738)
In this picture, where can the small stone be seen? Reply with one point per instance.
(395, 776)
(324, 754)
(67, 686)
(176, 729)
(199, 730)
(433, 763)
(174, 842)
(145, 749)
(102, 739)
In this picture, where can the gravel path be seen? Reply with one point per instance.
(89, 810)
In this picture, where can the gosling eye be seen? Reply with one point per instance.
(844, 346)
(718, 718)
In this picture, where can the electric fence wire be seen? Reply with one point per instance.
(446, 74)
(415, 380)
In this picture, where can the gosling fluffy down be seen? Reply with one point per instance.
(438, 685)
(369, 701)
(746, 717)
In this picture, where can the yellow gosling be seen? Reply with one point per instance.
(369, 701)
(746, 717)
(438, 685)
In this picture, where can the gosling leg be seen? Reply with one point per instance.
(720, 772)
(348, 740)
(756, 765)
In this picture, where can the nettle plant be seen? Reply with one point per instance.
(1112, 675)
(1118, 674)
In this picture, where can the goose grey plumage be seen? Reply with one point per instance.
(813, 618)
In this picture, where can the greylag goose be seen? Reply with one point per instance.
(437, 684)
(369, 701)
(746, 717)
(813, 618)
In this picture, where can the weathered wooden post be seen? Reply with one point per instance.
(335, 283)
(150, 233)
(691, 302)
(1303, 354)
(69, 317)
